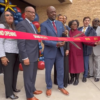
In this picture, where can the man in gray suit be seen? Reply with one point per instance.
(94, 59)
(29, 52)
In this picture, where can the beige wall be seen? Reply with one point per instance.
(77, 10)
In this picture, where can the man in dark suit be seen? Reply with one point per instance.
(87, 50)
(53, 50)
(28, 51)
(65, 21)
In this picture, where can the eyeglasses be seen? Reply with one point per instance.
(74, 24)
(31, 12)
(9, 15)
(97, 21)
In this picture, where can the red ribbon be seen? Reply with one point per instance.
(10, 34)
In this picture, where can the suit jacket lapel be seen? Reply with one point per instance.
(29, 26)
(87, 31)
(98, 31)
(81, 28)
(57, 26)
(50, 24)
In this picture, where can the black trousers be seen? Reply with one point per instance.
(1, 68)
(66, 72)
(10, 73)
(29, 73)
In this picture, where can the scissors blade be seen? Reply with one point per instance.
(78, 35)
(75, 44)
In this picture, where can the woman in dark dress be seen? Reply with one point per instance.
(76, 64)
(66, 50)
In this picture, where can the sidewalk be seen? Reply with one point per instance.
(84, 91)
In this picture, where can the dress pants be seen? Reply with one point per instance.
(10, 73)
(1, 68)
(86, 66)
(59, 61)
(66, 72)
(29, 73)
(94, 65)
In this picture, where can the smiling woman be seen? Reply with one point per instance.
(9, 56)
(76, 64)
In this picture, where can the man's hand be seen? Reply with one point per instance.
(66, 32)
(67, 52)
(4, 61)
(26, 62)
(60, 44)
(97, 43)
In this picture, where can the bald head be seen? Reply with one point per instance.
(51, 12)
(95, 22)
(28, 8)
(30, 13)
(50, 8)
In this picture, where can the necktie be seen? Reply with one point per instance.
(84, 29)
(33, 27)
(54, 26)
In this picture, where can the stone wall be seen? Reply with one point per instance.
(77, 10)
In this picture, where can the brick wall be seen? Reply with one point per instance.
(77, 10)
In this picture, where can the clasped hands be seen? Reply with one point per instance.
(60, 44)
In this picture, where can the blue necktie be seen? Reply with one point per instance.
(33, 27)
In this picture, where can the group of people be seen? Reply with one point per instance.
(67, 57)
(90, 55)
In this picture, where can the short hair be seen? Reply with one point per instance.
(71, 22)
(60, 15)
(27, 8)
(86, 18)
(65, 16)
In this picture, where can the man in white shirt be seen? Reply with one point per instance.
(94, 59)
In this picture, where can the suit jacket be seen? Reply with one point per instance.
(96, 49)
(27, 48)
(50, 49)
(67, 27)
(87, 50)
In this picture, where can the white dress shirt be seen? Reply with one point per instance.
(8, 45)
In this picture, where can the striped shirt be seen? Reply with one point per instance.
(8, 45)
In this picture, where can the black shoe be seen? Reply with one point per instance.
(13, 97)
(76, 82)
(89, 76)
(15, 90)
(84, 79)
(71, 81)
(65, 85)
(96, 79)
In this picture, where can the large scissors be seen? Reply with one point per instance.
(73, 42)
